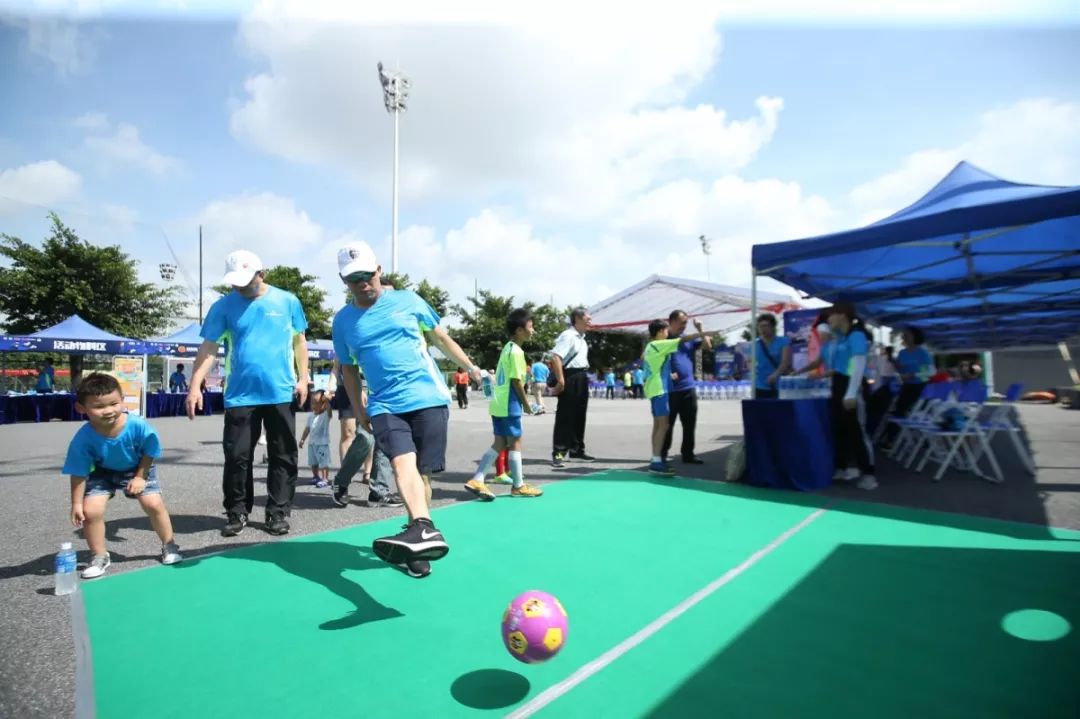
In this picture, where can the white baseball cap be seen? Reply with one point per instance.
(240, 267)
(356, 257)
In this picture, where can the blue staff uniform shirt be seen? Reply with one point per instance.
(917, 362)
(90, 450)
(682, 363)
(260, 366)
(387, 341)
(764, 366)
(540, 372)
(846, 348)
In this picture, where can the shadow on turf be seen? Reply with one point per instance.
(489, 689)
(922, 629)
(322, 563)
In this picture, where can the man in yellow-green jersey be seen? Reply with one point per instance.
(506, 408)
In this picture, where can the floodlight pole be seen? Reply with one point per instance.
(706, 248)
(395, 91)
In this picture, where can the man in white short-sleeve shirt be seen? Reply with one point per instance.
(570, 362)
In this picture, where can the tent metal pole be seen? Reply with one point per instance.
(753, 334)
(1063, 348)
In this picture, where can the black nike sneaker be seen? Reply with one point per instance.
(419, 540)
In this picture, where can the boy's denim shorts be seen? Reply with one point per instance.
(107, 481)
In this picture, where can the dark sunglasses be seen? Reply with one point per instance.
(358, 277)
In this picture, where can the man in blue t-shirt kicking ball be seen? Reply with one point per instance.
(267, 369)
(386, 333)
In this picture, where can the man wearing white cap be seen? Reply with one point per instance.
(266, 370)
(408, 407)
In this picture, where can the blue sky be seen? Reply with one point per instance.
(546, 161)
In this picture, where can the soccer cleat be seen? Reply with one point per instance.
(419, 540)
(97, 567)
(341, 497)
(526, 490)
(235, 525)
(477, 487)
(503, 478)
(276, 524)
(868, 482)
(170, 553)
(846, 475)
(558, 460)
(661, 468)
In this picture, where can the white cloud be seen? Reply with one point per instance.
(97, 121)
(1035, 141)
(123, 146)
(40, 183)
(573, 115)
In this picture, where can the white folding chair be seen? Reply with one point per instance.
(962, 447)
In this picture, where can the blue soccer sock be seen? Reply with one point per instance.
(516, 472)
(485, 464)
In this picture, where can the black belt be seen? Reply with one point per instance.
(575, 370)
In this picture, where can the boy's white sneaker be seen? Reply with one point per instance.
(867, 481)
(97, 567)
(170, 553)
(846, 475)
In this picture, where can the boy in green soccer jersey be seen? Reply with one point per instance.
(507, 407)
(657, 360)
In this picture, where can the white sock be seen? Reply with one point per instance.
(485, 464)
(515, 468)
(656, 459)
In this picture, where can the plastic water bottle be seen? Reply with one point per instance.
(67, 581)
(489, 391)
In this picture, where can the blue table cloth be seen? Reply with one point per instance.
(789, 443)
(171, 404)
(38, 408)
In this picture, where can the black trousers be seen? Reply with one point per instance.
(850, 440)
(463, 395)
(683, 405)
(569, 434)
(242, 428)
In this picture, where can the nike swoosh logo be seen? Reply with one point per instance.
(424, 534)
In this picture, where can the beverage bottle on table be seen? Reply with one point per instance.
(67, 581)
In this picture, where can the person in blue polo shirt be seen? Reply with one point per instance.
(386, 334)
(266, 370)
(682, 397)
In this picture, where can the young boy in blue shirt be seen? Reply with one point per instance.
(113, 451)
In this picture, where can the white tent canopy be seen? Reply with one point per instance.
(720, 308)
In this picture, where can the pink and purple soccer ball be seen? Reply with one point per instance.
(534, 627)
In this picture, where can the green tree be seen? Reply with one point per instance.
(482, 333)
(311, 297)
(614, 349)
(67, 275)
(436, 296)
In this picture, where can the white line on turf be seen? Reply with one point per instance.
(85, 706)
(554, 692)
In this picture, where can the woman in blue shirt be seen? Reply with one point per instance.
(914, 364)
(849, 390)
(772, 360)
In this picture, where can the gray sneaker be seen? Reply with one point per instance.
(170, 553)
(97, 567)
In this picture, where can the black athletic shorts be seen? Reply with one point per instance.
(422, 431)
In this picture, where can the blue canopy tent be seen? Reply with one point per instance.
(73, 336)
(183, 342)
(978, 263)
